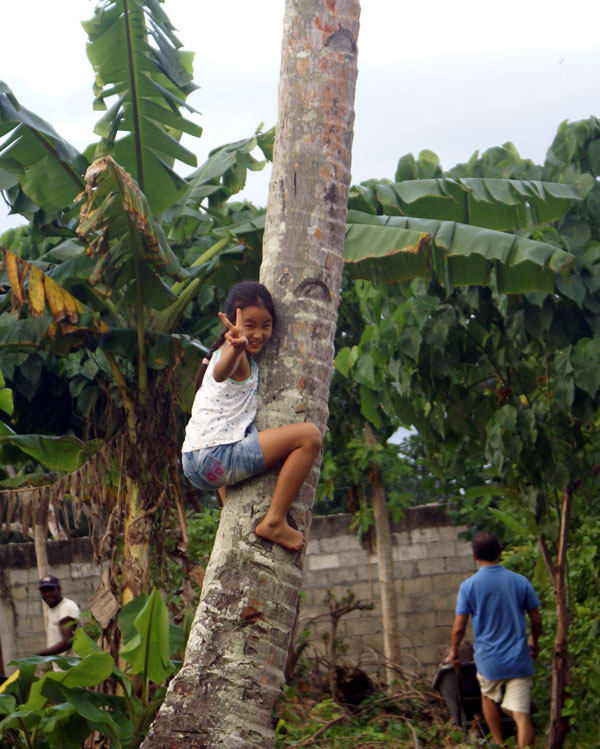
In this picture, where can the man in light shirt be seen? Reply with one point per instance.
(63, 614)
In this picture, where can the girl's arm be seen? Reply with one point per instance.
(228, 363)
(232, 356)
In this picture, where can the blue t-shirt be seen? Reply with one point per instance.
(497, 600)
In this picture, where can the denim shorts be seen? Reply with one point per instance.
(223, 465)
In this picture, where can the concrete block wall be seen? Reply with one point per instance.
(430, 562)
(21, 617)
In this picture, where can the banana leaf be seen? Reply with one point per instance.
(222, 175)
(137, 59)
(123, 234)
(500, 204)
(384, 248)
(57, 453)
(49, 170)
(147, 651)
(396, 248)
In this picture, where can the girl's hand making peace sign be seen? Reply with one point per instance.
(235, 335)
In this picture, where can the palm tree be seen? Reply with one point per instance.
(234, 665)
(96, 270)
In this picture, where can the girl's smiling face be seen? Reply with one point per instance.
(257, 325)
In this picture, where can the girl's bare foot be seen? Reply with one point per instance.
(280, 533)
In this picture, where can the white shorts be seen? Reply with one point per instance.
(512, 694)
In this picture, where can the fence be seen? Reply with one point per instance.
(430, 561)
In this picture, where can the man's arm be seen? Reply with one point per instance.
(458, 632)
(536, 630)
(67, 630)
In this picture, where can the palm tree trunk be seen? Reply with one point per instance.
(385, 565)
(234, 664)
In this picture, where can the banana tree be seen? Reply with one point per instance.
(129, 313)
(95, 269)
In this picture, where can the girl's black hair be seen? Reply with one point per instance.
(242, 295)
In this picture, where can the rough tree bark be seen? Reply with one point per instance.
(235, 658)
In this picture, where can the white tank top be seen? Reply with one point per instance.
(222, 411)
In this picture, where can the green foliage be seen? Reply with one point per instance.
(147, 651)
(6, 397)
(583, 698)
(475, 373)
(527, 202)
(380, 323)
(57, 453)
(347, 471)
(457, 232)
(6, 409)
(62, 709)
(45, 169)
(201, 527)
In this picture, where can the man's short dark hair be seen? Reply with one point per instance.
(486, 547)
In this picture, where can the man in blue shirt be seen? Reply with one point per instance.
(497, 600)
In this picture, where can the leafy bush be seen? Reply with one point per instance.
(169, 570)
(62, 708)
(583, 701)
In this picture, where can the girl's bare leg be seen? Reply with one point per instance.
(296, 447)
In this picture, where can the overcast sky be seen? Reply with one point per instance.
(451, 77)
